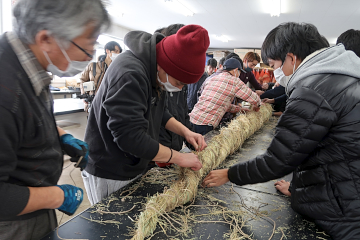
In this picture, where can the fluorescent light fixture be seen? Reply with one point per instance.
(275, 8)
(178, 6)
(222, 38)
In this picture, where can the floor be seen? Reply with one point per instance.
(74, 124)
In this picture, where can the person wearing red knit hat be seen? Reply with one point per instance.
(130, 107)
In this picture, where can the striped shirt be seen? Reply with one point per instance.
(217, 96)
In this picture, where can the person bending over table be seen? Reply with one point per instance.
(217, 96)
(318, 135)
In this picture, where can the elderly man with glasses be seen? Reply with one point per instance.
(49, 36)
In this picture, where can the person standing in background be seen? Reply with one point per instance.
(49, 36)
(95, 71)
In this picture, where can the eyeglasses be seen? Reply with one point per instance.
(87, 54)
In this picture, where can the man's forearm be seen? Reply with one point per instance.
(82, 91)
(61, 131)
(177, 127)
(164, 154)
(43, 198)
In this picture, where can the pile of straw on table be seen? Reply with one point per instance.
(185, 188)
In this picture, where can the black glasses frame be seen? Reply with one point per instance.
(87, 54)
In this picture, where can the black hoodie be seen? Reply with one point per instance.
(177, 106)
(127, 112)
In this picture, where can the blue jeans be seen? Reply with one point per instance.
(202, 129)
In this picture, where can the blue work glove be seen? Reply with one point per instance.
(73, 197)
(76, 149)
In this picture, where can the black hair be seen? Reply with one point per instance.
(111, 46)
(159, 30)
(172, 29)
(351, 40)
(101, 58)
(237, 57)
(212, 62)
(251, 56)
(326, 42)
(300, 39)
(221, 61)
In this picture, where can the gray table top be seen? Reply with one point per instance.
(262, 197)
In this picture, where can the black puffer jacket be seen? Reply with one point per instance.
(178, 108)
(318, 139)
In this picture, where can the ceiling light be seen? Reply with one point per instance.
(222, 38)
(178, 6)
(275, 8)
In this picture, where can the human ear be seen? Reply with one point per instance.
(292, 57)
(160, 69)
(44, 41)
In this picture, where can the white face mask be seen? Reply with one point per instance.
(114, 55)
(168, 86)
(73, 68)
(280, 75)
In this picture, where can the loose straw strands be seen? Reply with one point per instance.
(185, 188)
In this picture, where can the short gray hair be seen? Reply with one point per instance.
(64, 19)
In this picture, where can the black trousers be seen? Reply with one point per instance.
(202, 129)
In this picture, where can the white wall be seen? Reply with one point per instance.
(5, 16)
(118, 31)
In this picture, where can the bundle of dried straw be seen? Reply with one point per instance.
(185, 188)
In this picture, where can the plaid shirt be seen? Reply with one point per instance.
(39, 78)
(217, 96)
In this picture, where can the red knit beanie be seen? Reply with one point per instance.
(182, 55)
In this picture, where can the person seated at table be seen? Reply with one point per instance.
(217, 96)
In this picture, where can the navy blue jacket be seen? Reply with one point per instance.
(193, 89)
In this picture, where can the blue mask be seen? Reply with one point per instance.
(247, 69)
